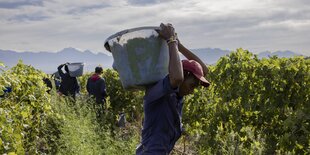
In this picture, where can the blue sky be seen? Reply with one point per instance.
(256, 25)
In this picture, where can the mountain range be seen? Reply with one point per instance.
(49, 61)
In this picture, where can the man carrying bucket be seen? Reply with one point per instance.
(163, 101)
(69, 86)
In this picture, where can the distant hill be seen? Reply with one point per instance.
(210, 55)
(280, 54)
(49, 61)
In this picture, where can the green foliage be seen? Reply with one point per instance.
(83, 81)
(120, 100)
(84, 132)
(253, 106)
(23, 111)
(35, 122)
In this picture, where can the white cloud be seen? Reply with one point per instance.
(257, 25)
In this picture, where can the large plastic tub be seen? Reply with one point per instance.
(140, 56)
(76, 69)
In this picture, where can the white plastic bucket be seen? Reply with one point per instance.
(76, 69)
(140, 56)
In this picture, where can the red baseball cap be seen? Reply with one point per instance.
(195, 68)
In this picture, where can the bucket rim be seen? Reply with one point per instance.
(128, 31)
(76, 63)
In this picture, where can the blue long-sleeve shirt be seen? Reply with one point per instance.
(162, 119)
